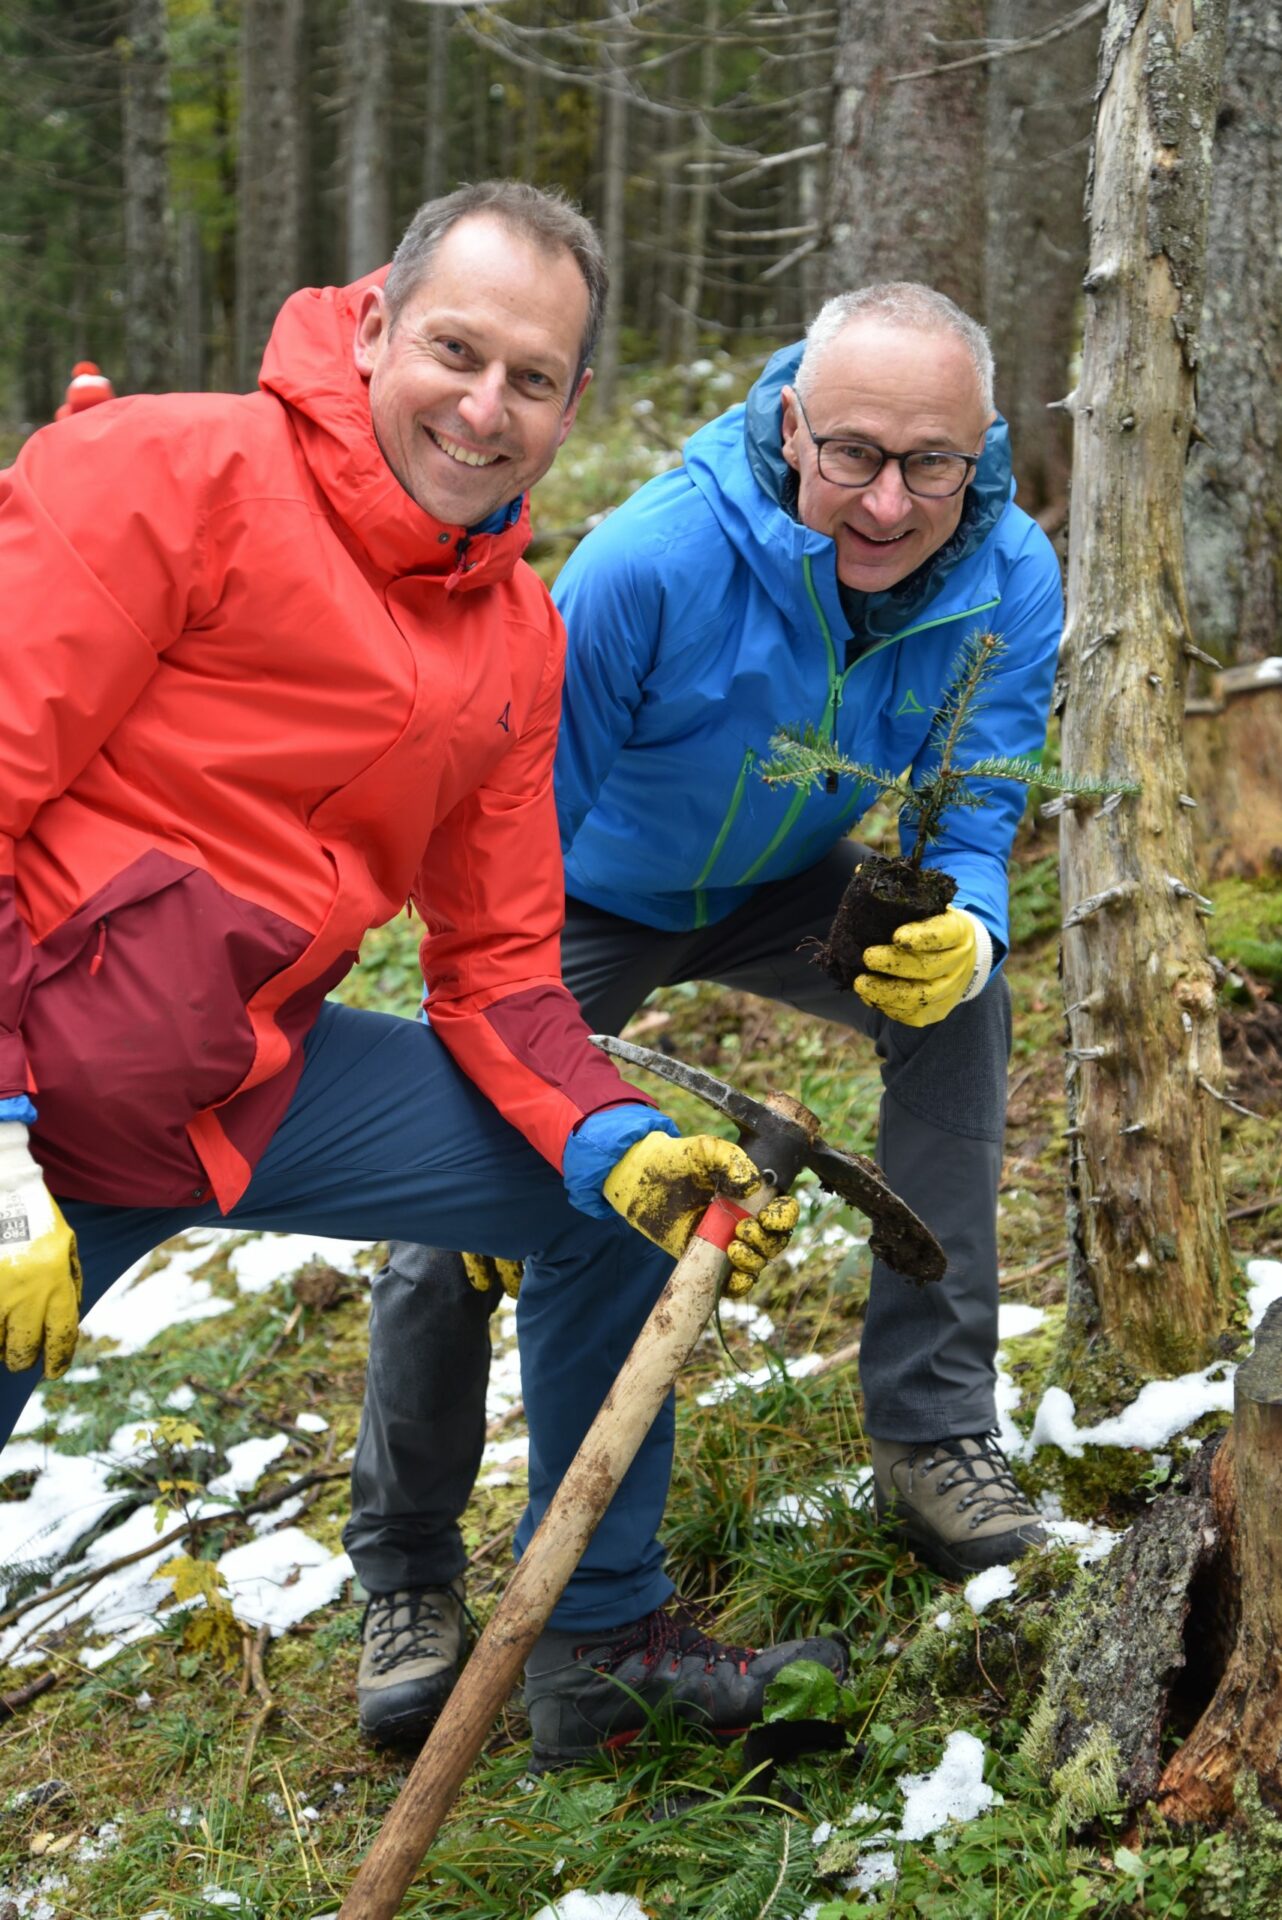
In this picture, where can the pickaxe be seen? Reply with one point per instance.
(781, 1137)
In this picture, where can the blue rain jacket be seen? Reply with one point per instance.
(702, 617)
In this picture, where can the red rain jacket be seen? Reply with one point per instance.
(253, 699)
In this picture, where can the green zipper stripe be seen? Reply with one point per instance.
(736, 800)
(789, 820)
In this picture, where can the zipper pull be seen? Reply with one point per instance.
(95, 965)
(830, 783)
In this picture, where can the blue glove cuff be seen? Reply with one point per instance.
(597, 1145)
(18, 1107)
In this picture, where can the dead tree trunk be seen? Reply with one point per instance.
(1241, 1731)
(1150, 1263)
(150, 276)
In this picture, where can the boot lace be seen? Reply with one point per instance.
(662, 1634)
(977, 1465)
(399, 1627)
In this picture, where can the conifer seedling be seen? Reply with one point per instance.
(886, 893)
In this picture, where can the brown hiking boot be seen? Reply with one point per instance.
(412, 1648)
(954, 1502)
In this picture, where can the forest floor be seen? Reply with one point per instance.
(167, 1757)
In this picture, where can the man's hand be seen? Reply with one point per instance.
(40, 1279)
(486, 1270)
(935, 964)
(663, 1186)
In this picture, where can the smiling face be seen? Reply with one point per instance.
(471, 387)
(902, 388)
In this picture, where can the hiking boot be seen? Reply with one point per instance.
(412, 1647)
(954, 1502)
(594, 1689)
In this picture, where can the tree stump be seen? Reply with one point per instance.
(1241, 1730)
(1233, 740)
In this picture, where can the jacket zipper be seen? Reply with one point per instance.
(828, 730)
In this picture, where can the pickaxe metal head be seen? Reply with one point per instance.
(786, 1131)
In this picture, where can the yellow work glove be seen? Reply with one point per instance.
(934, 965)
(39, 1267)
(485, 1270)
(662, 1187)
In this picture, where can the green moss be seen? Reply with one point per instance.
(1086, 1786)
(1247, 927)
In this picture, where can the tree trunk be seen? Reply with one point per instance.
(906, 178)
(438, 121)
(1233, 490)
(700, 192)
(613, 230)
(1241, 1730)
(150, 275)
(369, 219)
(269, 175)
(191, 306)
(1150, 1265)
(1038, 134)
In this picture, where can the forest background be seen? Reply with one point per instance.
(172, 172)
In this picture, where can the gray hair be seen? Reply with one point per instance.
(549, 220)
(904, 303)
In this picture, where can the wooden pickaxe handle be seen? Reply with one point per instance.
(609, 1447)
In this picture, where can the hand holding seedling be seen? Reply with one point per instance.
(930, 968)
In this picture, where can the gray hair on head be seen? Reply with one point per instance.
(549, 221)
(903, 303)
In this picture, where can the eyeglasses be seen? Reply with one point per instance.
(931, 473)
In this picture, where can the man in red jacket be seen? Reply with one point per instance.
(273, 666)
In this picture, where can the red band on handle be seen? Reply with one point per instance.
(719, 1222)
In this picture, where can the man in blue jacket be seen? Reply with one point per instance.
(821, 558)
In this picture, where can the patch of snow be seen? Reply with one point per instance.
(994, 1583)
(33, 1416)
(813, 1509)
(1161, 1409)
(873, 1870)
(246, 1464)
(312, 1423)
(258, 1263)
(1088, 1538)
(743, 1313)
(134, 1310)
(66, 1498)
(278, 1516)
(954, 1791)
(593, 1906)
(182, 1399)
(822, 1834)
(1014, 1319)
(1266, 1287)
(82, 1376)
(281, 1578)
(761, 1377)
(215, 1897)
(944, 1620)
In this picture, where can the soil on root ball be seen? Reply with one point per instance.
(881, 895)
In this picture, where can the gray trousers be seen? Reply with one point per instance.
(927, 1358)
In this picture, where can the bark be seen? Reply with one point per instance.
(369, 214)
(191, 307)
(1241, 1730)
(1038, 119)
(150, 272)
(613, 230)
(700, 193)
(1150, 1264)
(906, 177)
(438, 75)
(269, 174)
(1123, 1651)
(1233, 493)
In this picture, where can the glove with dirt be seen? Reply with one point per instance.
(931, 967)
(486, 1270)
(662, 1187)
(40, 1279)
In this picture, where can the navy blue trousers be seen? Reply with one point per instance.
(385, 1137)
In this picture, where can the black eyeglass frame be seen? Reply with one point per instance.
(823, 440)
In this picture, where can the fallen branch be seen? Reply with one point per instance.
(11, 1703)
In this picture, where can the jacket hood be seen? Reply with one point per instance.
(738, 465)
(309, 366)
